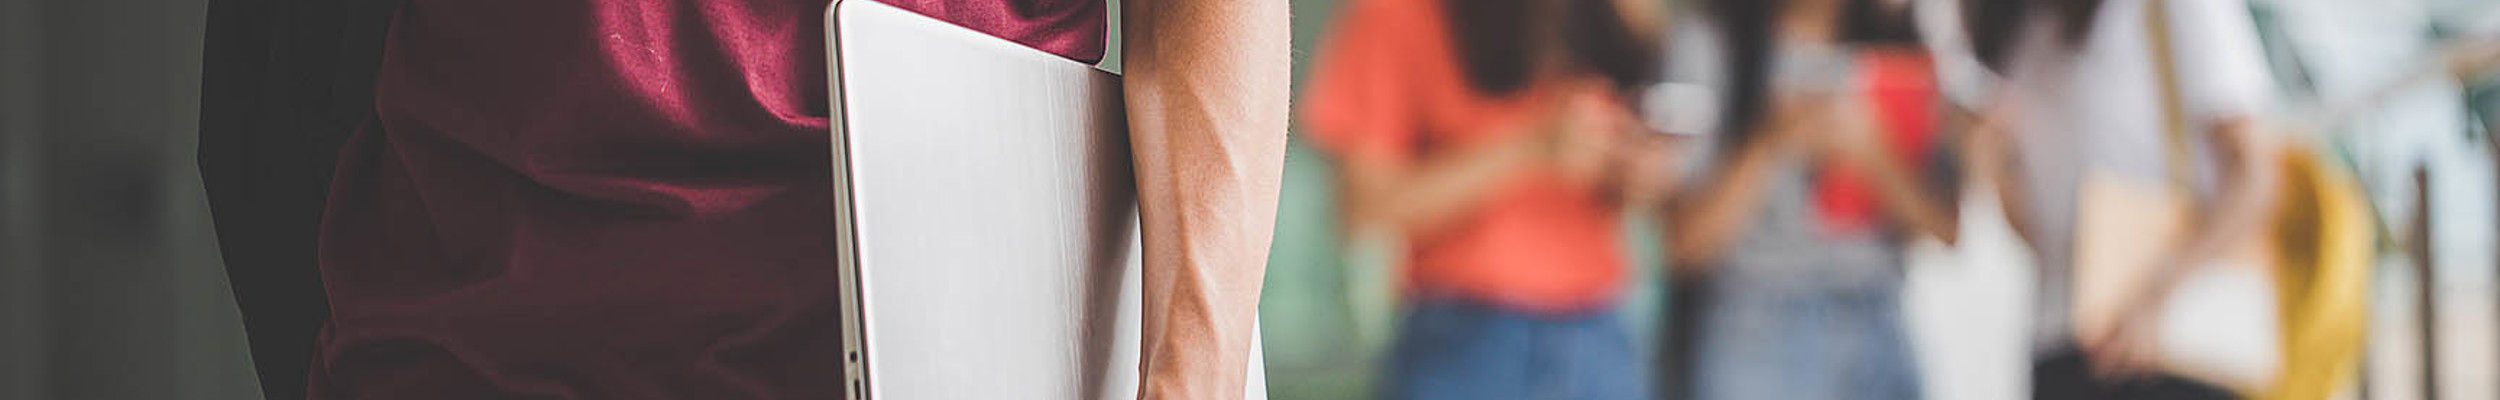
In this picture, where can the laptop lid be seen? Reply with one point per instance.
(987, 215)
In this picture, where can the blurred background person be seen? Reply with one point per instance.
(2080, 97)
(1495, 136)
(1791, 232)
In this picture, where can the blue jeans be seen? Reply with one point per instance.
(1791, 343)
(1457, 349)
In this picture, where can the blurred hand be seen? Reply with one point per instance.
(2470, 60)
(1803, 122)
(1643, 171)
(1842, 134)
(1983, 135)
(2125, 350)
(1585, 131)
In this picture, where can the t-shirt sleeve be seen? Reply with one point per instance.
(2221, 65)
(1960, 77)
(1360, 107)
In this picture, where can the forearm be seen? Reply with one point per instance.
(1909, 202)
(1704, 220)
(1207, 83)
(2241, 208)
(1437, 189)
(1645, 176)
(1989, 159)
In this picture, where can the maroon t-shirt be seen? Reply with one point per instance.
(620, 199)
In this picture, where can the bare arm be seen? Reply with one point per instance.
(1701, 221)
(1906, 200)
(1207, 83)
(1644, 173)
(1989, 156)
(2240, 209)
(1431, 191)
(1576, 140)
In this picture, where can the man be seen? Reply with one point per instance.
(626, 199)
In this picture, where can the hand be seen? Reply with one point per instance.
(1642, 171)
(1802, 122)
(1983, 133)
(2467, 61)
(2127, 349)
(1585, 130)
(1843, 132)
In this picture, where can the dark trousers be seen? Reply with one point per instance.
(2067, 375)
(1686, 294)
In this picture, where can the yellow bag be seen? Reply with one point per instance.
(2323, 242)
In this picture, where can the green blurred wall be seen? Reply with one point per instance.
(1311, 351)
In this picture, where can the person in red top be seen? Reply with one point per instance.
(1491, 135)
(470, 199)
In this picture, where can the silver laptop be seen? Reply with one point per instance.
(987, 215)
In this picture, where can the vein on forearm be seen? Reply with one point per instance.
(1206, 83)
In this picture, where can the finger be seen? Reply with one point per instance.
(2106, 364)
(2097, 361)
(2115, 366)
(2127, 363)
(2112, 355)
(2139, 360)
(2098, 354)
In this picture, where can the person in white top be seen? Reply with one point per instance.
(2080, 91)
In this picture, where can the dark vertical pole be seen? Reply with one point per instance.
(1687, 295)
(2426, 288)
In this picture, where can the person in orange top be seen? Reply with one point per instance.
(1506, 163)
